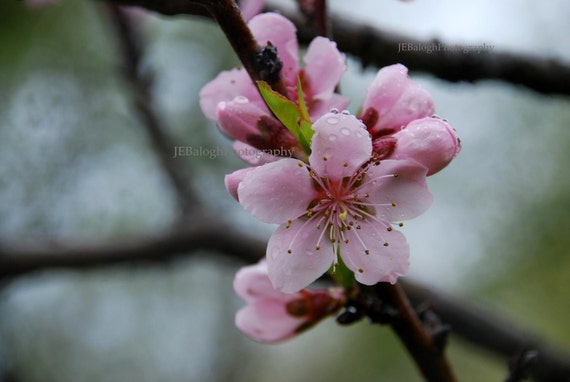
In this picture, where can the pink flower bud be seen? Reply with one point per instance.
(393, 100)
(429, 141)
(272, 316)
(233, 180)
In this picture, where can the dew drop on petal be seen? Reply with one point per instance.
(332, 120)
(345, 131)
(334, 110)
(345, 112)
(332, 137)
(241, 100)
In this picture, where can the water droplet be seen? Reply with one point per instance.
(345, 131)
(345, 112)
(241, 100)
(334, 110)
(332, 120)
(332, 137)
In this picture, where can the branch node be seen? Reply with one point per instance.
(268, 64)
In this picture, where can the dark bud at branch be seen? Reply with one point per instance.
(268, 64)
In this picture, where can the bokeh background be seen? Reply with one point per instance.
(76, 167)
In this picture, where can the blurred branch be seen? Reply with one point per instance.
(214, 236)
(130, 48)
(374, 46)
(475, 324)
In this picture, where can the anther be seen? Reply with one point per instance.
(401, 224)
(288, 224)
(360, 270)
(289, 251)
(325, 159)
(346, 241)
(345, 164)
(386, 244)
(393, 204)
(300, 164)
(389, 229)
(318, 247)
(396, 175)
(367, 251)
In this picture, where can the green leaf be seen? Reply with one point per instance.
(289, 113)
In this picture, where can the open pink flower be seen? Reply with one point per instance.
(272, 316)
(233, 101)
(342, 203)
(396, 112)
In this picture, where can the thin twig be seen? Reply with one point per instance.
(131, 52)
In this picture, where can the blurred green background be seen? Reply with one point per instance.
(77, 167)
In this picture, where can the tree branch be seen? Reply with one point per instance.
(20, 260)
(404, 321)
(374, 46)
(475, 324)
(490, 331)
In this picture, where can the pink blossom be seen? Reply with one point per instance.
(233, 101)
(394, 104)
(342, 203)
(273, 316)
(431, 141)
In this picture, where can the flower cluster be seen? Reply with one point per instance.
(339, 200)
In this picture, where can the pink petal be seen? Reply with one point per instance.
(324, 67)
(383, 262)
(233, 180)
(267, 321)
(281, 33)
(252, 155)
(322, 106)
(399, 197)
(397, 99)
(430, 141)
(238, 118)
(250, 8)
(291, 272)
(278, 191)
(340, 145)
(252, 283)
(225, 87)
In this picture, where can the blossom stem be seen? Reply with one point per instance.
(228, 17)
(430, 360)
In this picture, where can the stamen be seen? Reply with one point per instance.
(386, 244)
(393, 204)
